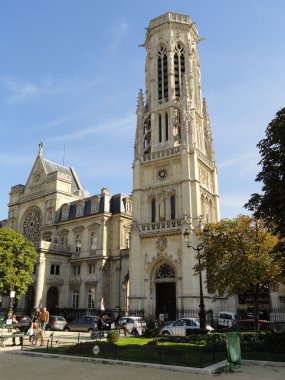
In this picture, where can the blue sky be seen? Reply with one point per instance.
(70, 72)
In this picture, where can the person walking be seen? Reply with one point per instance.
(44, 318)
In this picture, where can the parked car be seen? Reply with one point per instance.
(183, 327)
(248, 325)
(56, 323)
(83, 323)
(135, 325)
(226, 319)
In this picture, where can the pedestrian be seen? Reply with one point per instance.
(124, 326)
(44, 318)
(22, 328)
(34, 329)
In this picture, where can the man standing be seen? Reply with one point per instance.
(44, 318)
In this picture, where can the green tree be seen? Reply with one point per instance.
(17, 260)
(239, 257)
(270, 204)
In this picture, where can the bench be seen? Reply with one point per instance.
(4, 337)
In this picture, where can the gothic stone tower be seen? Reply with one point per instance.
(175, 178)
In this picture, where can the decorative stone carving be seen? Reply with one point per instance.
(161, 243)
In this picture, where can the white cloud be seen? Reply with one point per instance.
(232, 204)
(245, 163)
(111, 128)
(15, 159)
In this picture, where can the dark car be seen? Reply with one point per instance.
(83, 323)
(56, 323)
(248, 325)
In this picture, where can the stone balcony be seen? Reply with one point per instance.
(162, 226)
(162, 154)
(48, 246)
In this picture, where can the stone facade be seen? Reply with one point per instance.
(82, 240)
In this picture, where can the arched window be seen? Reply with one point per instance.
(80, 209)
(162, 78)
(75, 298)
(95, 204)
(172, 206)
(164, 271)
(166, 126)
(153, 210)
(78, 243)
(93, 240)
(64, 212)
(91, 298)
(159, 129)
(179, 68)
(147, 135)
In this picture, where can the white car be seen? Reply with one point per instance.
(182, 327)
(135, 325)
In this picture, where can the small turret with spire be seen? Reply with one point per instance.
(139, 129)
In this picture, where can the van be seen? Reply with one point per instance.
(226, 319)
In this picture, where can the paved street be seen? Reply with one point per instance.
(14, 364)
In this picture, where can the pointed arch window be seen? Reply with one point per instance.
(159, 129)
(179, 67)
(166, 126)
(147, 135)
(153, 210)
(162, 77)
(172, 206)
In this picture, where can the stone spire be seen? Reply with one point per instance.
(209, 146)
(139, 130)
(41, 145)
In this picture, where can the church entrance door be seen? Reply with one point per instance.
(166, 300)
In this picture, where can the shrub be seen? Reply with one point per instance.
(113, 336)
(153, 328)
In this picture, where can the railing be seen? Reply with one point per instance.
(167, 225)
(162, 153)
(203, 158)
(52, 247)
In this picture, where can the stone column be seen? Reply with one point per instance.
(40, 281)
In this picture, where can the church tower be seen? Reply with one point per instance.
(174, 173)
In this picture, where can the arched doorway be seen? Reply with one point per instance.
(29, 300)
(165, 291)
(52, 299)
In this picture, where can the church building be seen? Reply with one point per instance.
(121, 252)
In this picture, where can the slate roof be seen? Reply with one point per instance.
(52, 167)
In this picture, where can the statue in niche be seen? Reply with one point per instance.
(176, 124)
(162, 211)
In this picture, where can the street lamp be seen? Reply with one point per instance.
(199, 248)
(12, 296)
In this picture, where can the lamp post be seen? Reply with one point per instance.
(198, 249)
(12, 296)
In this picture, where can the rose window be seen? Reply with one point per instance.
(32, 225)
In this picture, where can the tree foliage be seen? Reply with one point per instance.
(17, 260)
(270, 204)
(239, 257)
